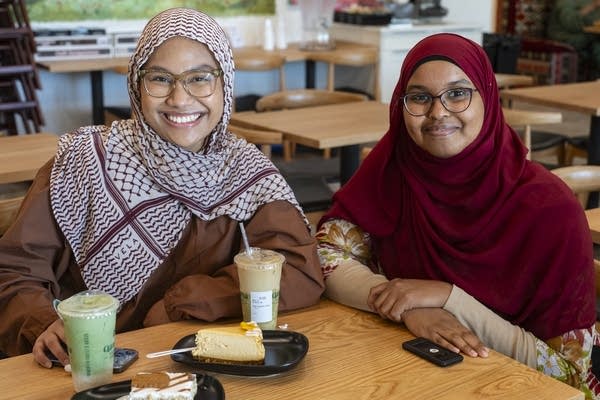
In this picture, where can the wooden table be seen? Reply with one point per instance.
(580, 97)
(96, 67)
(344, 125)
(352, 355)
(593, 218)
(23, 155)
(505, 81)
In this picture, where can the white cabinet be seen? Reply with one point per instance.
(394, 42)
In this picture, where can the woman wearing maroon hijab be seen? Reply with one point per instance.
(447, 227)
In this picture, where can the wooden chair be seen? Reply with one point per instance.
(262, 138)
(576, 147)
(506, 81)
(582, 179)
(364, 152)
(290, 99)
(11, 197)
(256, 60)
(8, 212)
(539, 142)
(352, 58)
(597, 271)
(526, 119)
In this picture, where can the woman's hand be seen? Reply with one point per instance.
(391, 299)
(441, 327)
(51, 339)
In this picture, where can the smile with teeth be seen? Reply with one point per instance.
(183, 119)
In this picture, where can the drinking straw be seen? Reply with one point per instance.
(245, 239)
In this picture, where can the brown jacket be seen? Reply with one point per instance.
(198, 279)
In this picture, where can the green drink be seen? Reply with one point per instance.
(89, 318)
(260, 274)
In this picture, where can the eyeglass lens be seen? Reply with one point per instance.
(196, 83)
(454, 100)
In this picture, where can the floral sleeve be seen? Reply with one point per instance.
(340, 240)
(568, 359)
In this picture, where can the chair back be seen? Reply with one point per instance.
(597, 271)
(354, 58)
(259, 60)
(262, 138)
(299, 98)
(8, 211)
(582, 179)
(526, 119)
(11, 197)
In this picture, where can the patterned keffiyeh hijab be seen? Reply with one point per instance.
(123, 196)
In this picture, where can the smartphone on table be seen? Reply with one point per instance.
(124, 357)
(432, 352)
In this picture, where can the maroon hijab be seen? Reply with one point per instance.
(503, 229)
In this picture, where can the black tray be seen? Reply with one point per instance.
(283, 351)
(209, 388)
(362, 19)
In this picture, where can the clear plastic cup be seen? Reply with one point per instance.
(89, 318)
(260, 275)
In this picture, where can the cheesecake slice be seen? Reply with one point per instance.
(241, 344)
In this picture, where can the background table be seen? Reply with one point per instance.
(581, 97)
(352, 355)
(23, 155)
(345, 125)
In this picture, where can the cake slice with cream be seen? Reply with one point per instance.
(238, 344)
(163, 386)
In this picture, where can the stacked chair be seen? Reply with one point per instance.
(18, 75)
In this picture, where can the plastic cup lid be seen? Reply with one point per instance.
(89, 301)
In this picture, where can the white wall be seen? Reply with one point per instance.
(482, 12)
(65, 98)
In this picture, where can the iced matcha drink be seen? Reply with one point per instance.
(89, 319)
(260, 273)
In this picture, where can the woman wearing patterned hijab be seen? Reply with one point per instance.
(148, 209)
(448, 228)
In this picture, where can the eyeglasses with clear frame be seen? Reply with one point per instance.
(455, 100)
(196, 82)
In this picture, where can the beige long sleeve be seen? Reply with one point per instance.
(350, 284)
(494, 331)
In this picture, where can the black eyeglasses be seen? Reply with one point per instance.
(455, 100)
(197, 83)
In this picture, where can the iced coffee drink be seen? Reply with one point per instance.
(260, 273)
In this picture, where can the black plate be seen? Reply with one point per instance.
(209, 388)
(283, 350)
